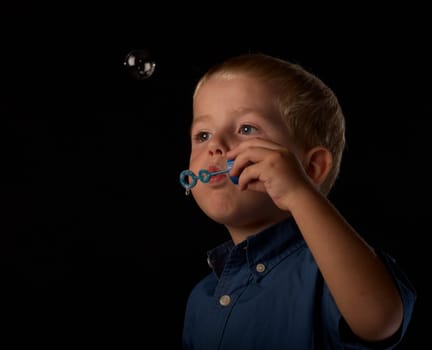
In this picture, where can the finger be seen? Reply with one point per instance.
(252, 155)
(248, 157)
(251, 143)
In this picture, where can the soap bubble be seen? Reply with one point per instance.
(139, 64)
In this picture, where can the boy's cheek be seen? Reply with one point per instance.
(194, 162)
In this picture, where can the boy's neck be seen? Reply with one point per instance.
(241, 233)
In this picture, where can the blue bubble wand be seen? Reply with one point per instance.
(204, 176)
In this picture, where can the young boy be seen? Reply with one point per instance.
(295, 274)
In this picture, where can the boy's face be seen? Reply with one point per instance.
(227, 112)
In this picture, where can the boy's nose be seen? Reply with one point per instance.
(217, 147)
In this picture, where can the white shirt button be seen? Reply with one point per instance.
(225, 300)
(260, 267)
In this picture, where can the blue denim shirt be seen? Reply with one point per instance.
(267, 294)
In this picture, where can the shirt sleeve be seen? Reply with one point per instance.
(340, 331)
(406, 289)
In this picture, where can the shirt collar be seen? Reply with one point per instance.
(267, 247)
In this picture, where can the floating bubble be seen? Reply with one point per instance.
(139, 64)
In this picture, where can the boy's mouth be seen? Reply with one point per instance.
(213, 168)
(216, 178)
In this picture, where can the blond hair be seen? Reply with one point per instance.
(309, 107)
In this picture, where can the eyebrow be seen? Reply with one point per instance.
(200, 118)
(235, 112)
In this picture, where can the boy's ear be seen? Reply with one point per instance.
(319, 162)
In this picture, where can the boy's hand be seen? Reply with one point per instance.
(265, 166)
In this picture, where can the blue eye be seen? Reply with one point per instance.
(202, 136)
(247, 129)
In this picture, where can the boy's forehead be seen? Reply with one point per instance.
(238, 94)
(228, 100)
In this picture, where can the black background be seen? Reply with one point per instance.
(99, 246)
